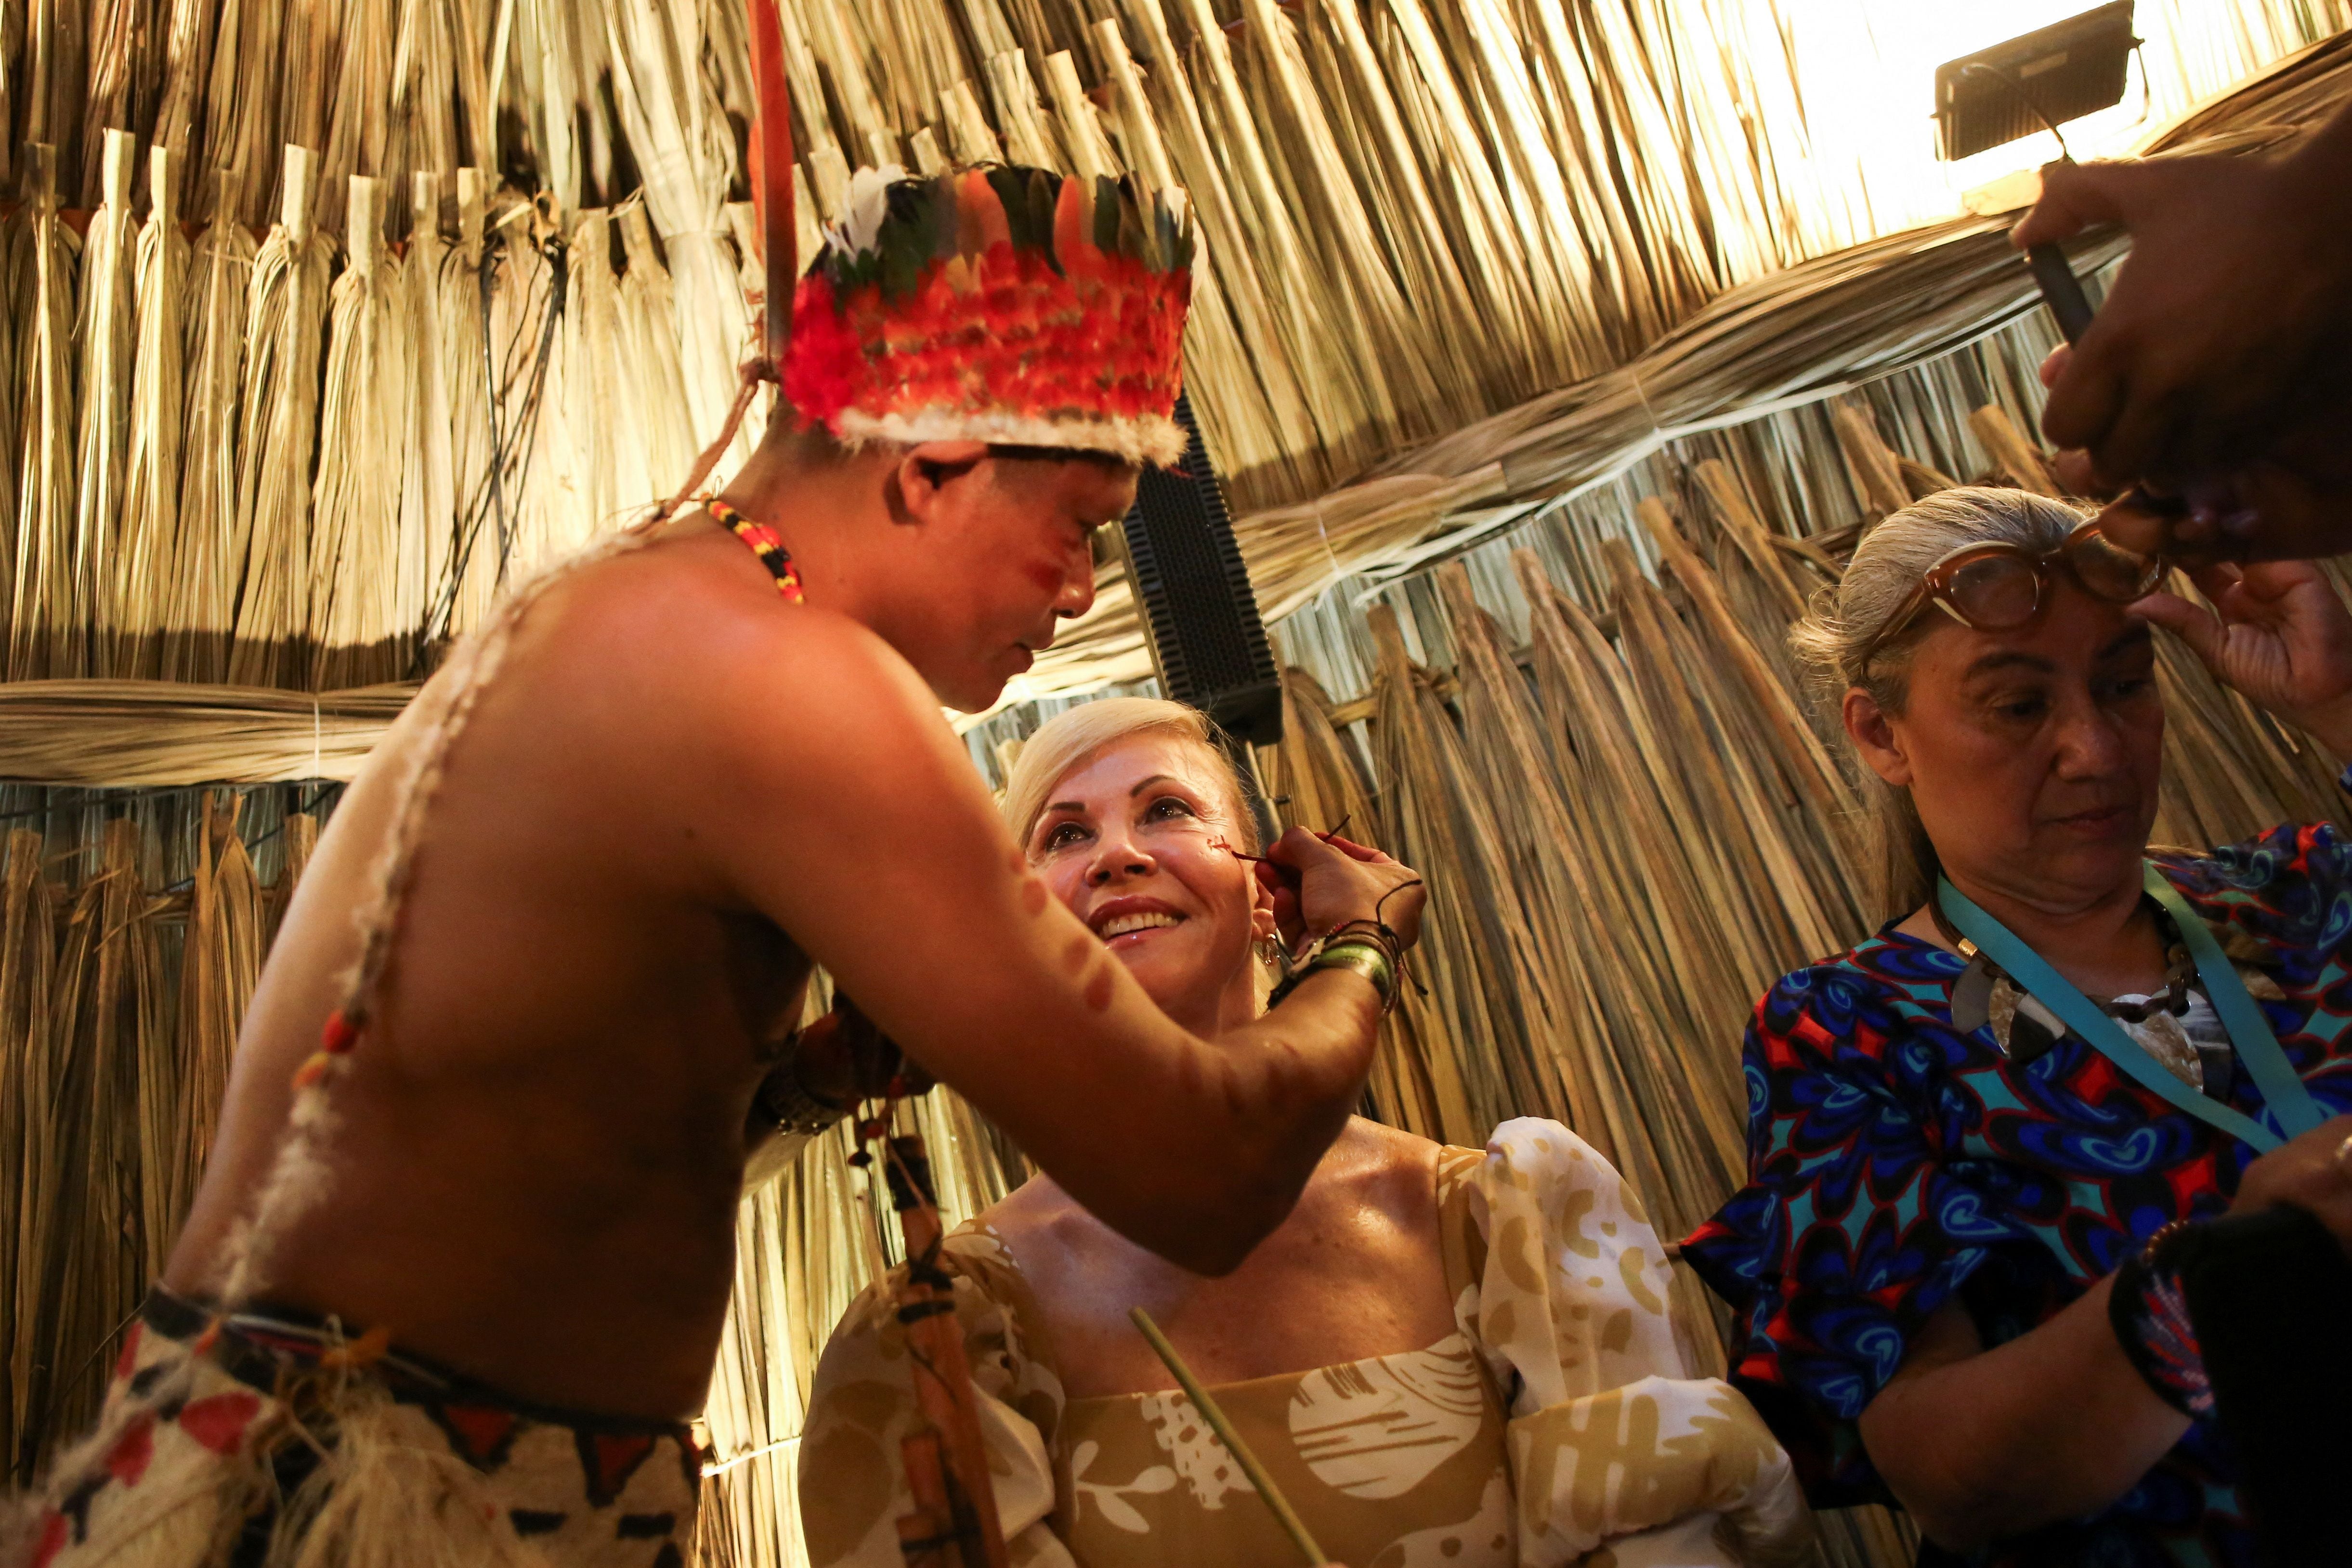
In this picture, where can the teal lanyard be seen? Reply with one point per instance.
(2284, 1098)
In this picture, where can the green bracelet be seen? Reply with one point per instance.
(1359, 955)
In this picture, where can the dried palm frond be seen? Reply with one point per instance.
(1417, 1080)
(112, 1027)
(30, 1132)
(109, 343)
(44, 634)
(606, 412)
(1491, 988)
(55, 84)
(680, 134)
(242, 102)
(221, 965)
(531, 515)
(180, 105)
(1669, 1118)
(646, 311)
(285, 332)
(146, 552)
(310, 60)
(365, 419)
(141, 732)
(200, 592)
(358, 113)
(468, 579)
(427, 482)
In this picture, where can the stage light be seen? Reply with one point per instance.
(2033, 82)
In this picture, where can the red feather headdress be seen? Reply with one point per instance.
(1003, 304)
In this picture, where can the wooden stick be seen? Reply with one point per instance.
(1209, 1412)
(944, 1388)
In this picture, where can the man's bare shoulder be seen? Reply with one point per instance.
(687, 646)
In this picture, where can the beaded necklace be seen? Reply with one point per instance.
(764, 544)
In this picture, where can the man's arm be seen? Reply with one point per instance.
(854, 820)
(1980, 1445)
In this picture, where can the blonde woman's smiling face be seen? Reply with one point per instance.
(1137, 839)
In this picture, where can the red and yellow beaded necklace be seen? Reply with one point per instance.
(764, 544)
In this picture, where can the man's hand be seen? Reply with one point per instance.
(2227, 326)
(2278, 634)
(843, 1058)
(1321, 884)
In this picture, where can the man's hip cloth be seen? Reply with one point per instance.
(267, 1439)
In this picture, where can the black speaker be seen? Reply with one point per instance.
(1193, 594)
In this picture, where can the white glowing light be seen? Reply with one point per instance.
(1867, 69)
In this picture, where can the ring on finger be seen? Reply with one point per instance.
(2344, 1157)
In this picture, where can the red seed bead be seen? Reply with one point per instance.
(341, 1035)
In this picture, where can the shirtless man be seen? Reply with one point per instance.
(680, 791)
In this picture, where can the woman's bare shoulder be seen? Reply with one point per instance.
(1379, 1165)
(1036, 1209)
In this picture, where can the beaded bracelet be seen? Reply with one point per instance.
(2148, 1311)
(793, 1107)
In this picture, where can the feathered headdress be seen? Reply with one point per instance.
(1001, 304)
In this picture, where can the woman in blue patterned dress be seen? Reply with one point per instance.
(1946, 1174)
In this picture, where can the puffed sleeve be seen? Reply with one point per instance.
(1611, 1441)
(853, 1484)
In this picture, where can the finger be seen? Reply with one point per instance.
(1299, 848)
(2074, 195)
(2217, 580)
(1275, 878)
(2268, 581)
(2086, 396)
(2136, 527)
(1355, 851)
(2197, 627)
(2150, 413)
(2079, 475)
(2054, 363)
(2291, 518)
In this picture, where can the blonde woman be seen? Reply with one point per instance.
(1444, 1356)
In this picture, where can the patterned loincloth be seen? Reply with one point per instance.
(281, 1444)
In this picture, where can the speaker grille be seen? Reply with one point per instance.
(1198, 609)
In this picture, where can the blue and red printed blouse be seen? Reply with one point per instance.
(1897, 1163)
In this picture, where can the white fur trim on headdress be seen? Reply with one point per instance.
(1145, 438)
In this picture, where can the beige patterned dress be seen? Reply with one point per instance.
(1556, 1424)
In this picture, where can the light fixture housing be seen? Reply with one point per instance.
(2036, 81)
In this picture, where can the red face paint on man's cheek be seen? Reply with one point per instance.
(1046, 575)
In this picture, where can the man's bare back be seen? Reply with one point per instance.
(539, 1145)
